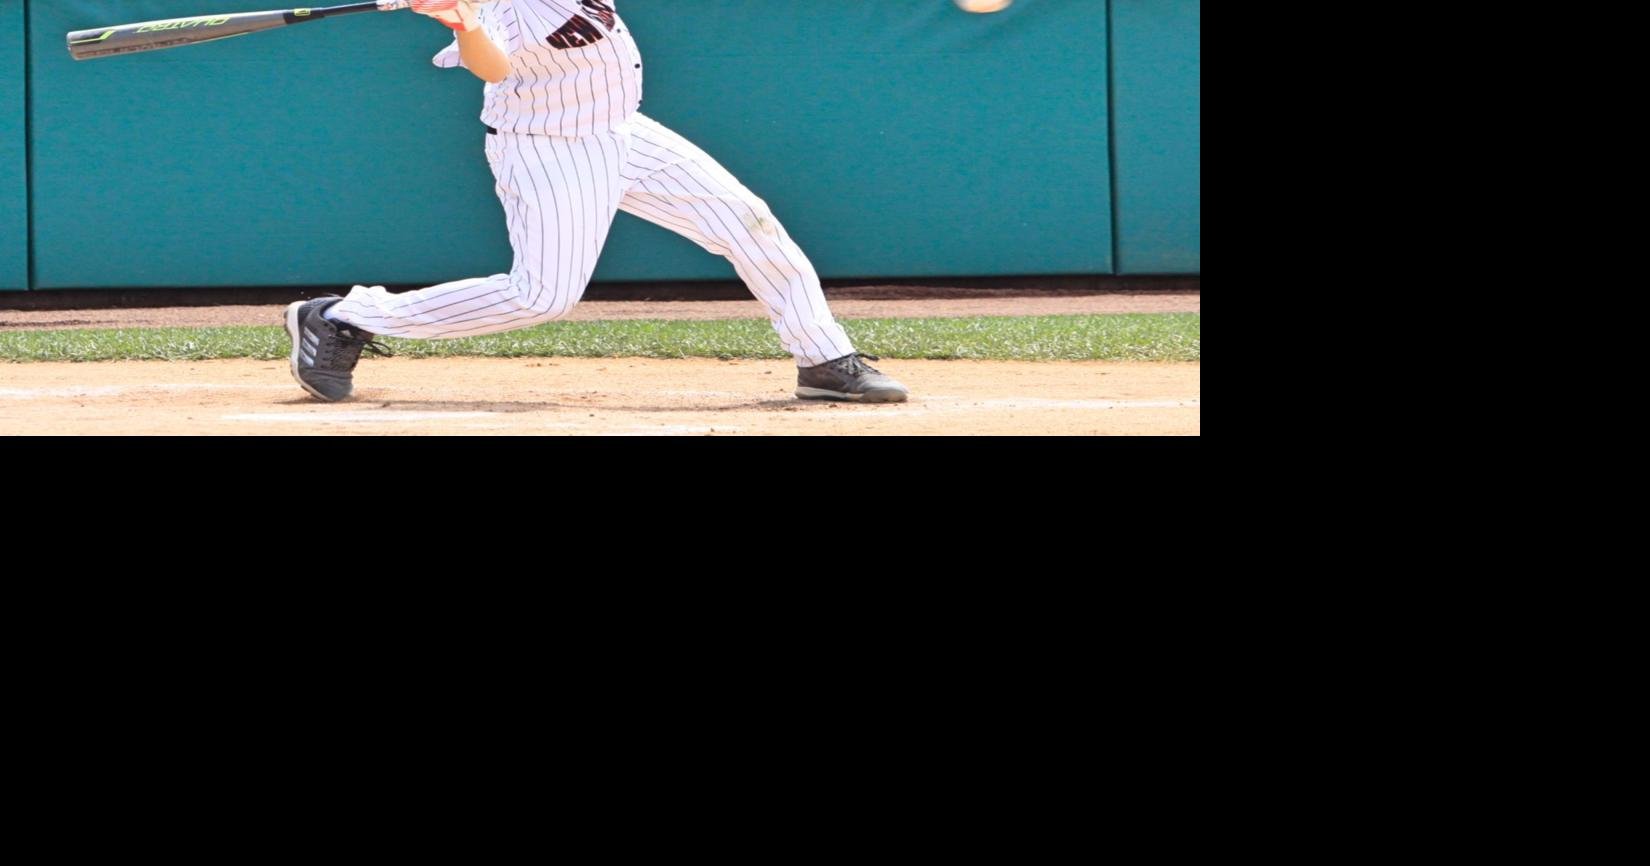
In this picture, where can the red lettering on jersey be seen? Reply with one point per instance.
(603, 12)
(576, 33)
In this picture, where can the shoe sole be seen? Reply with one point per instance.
(295, 331)
(884, 396)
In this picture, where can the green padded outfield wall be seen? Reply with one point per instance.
(1158, 94)
(14, 191)
(322, 154)
(894, 138)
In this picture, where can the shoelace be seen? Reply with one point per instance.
(853, 365)
(375, 347)
(348, 348)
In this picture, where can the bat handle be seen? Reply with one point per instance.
(392, 5)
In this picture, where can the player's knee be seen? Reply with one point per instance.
(538, 297)
(557, 305)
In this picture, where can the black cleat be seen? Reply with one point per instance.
(324, 353)
(848, 378)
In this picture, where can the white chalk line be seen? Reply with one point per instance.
(932, 406)
(672, 430)
(367, 417)
(118, 390)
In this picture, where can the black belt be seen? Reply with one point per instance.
(492, 131)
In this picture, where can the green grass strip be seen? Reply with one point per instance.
(1142, 337)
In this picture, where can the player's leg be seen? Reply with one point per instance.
(674, 184)
(559, 197)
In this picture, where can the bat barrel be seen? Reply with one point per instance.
(172, 32)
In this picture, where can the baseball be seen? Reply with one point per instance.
(983, 6)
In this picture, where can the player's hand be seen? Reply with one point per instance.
(457, 14)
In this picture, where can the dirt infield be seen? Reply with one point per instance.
(612, 396)
(620, 396)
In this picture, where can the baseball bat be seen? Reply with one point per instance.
(172, 32)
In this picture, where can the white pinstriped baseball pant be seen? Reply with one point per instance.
(560, 196)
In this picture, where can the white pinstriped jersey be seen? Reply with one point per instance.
(571, 153)
(575, 70)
